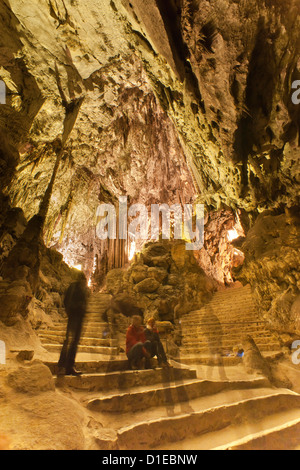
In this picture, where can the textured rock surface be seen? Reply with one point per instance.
(182, 286)
(35, 416)
(222, 72)
(33, 379)
(272, 268)
(168, 102)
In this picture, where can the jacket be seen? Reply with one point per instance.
(152, 335)
(133, 336)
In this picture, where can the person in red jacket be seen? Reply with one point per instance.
(137, 347)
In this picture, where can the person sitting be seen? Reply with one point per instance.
(157, 349)
(137, 348)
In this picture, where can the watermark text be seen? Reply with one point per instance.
(177, 222)
(296, 353)
(2, 353)
(2, 92)
(296, 94)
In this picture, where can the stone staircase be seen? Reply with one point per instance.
(96, 336)
(173, 409)
(219, 327)
(177, 408)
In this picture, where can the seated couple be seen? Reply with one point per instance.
(143, 344)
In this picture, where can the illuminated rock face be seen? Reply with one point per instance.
(163, 102)
(272, 268)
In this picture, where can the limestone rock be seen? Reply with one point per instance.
(49, 421)
(126, 305)
(106, 439)
(253, 360)
(139, 273)
(159, 274)
(25, 355)
(148, 285)
(271, 266)
(115, 281)
(31, 379)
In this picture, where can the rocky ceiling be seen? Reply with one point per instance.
(162, 100)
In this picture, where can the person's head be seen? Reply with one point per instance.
(82, 279)
(151, 322)
(136, 321)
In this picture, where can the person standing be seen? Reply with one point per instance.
(75, 303)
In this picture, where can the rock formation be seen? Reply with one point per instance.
(165, 102)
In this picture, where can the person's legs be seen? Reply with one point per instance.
(135, 355)
(72, 351)
(64, 352)
(149, 352)
(155, 348)
(161, 355)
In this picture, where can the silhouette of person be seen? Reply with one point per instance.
(75, 303)
(157, 349)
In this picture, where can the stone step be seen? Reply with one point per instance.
(85, 349)
(240, 290)
(204, 348)
(224, 313)
(224, 336)
(61, 327)
(226, 328)
(231, 300)
(232, 293)
(126, 379)
(284, 436)
(224, 342)
(208, 359)
(212, 360)
(95, 366)
(266, 433)
(84, 341)
(228, 296)
(227, 335)
(226, 317)
(145, 398)
(219, 413)
(95, 311)
(234, 304)
(218, 302)
(93, 331)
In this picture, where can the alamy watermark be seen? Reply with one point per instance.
(296, 94)
(187, 222)
(2, 92)
(2, 353)
(296, 354)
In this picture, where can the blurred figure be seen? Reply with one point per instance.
(137, 348)
(75, 303)
(157, 349)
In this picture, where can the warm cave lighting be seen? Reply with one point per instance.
(78, 267)
(132, 251)
(232, 234)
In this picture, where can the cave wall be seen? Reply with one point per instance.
(272, 250)
(172, 101)
(232, 103)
